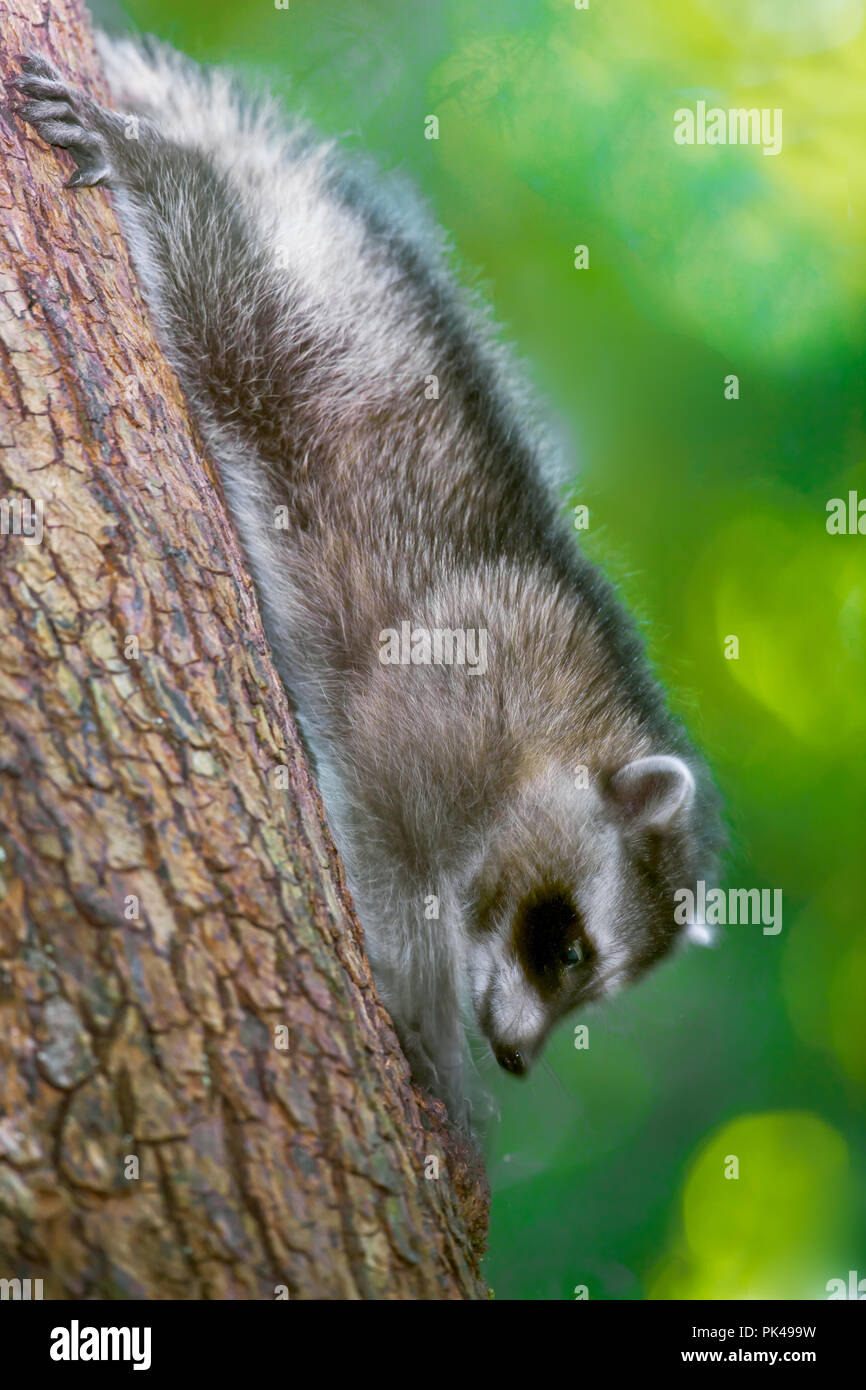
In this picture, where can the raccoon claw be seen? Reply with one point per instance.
(37, 65)
(52, 108)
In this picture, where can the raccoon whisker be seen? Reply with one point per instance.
(560, 1084)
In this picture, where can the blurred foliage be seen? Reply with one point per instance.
(737, 1238)
(556, 129)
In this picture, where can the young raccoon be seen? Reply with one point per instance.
(513, 825)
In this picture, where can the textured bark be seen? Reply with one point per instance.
(142, 777)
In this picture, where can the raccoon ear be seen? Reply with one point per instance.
(652, 796)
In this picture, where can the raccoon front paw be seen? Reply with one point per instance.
(60, 114)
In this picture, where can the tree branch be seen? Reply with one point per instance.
(169, 895)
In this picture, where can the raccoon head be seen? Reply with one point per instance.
(574, 897)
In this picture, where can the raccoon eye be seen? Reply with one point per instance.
(549, 938)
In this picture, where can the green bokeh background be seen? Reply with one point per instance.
(556, 129)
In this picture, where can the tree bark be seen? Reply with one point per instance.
(166, 906)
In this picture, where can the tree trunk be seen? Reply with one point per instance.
(201, 1095)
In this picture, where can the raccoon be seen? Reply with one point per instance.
(514, 827)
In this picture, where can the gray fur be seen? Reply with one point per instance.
(304, 309)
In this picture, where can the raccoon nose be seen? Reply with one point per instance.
(510, 1060)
